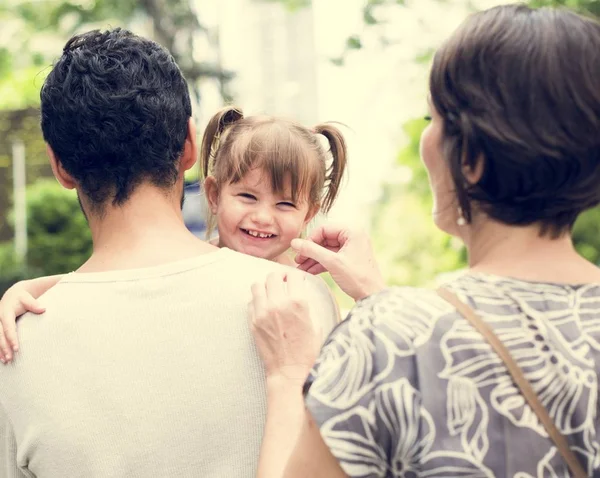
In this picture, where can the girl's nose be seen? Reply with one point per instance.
(262, 216)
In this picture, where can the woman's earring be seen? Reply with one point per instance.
(461, 221)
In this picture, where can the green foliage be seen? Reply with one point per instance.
(25, 126)
(410, 248)
(370, 19)
(8, 259)
(344, 301)
(353, 43)
(59, 237)
(373, 14)
(591, 7)
(292, 5)
(40, 29)
(586, 235)
(54, 14)
(410, 157)
(20, 88)
(368, 16)
(425, 57)
(11, 270)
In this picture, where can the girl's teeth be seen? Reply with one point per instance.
(259, 234)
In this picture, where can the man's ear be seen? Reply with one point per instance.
(211, 191)
(64, 178)
(190, 148)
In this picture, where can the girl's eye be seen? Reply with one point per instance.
(427, 118)
(287, 204)
(247, 196)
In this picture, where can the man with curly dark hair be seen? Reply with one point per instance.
(142, 364)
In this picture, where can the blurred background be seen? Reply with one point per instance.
(360, 62)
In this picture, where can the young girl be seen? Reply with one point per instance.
(265, 178)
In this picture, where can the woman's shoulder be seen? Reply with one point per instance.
(424, 304)
(419, 309)
(396, 302)
(480, 286)
(406, 315)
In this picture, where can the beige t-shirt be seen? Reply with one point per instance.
(141, 373)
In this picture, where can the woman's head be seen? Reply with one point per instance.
(268, 176)
(515, 101)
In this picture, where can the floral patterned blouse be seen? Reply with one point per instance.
(405, 387)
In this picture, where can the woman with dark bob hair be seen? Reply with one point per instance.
(496, 374)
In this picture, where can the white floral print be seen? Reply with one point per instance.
(405, 387)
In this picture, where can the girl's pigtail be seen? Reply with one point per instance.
(212, 133)
(335, 172)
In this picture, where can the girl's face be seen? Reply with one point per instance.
(445, 206)
(253, 219)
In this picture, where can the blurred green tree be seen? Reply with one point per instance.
(291, 5)
(410, 248)
(373, 14)
(39, 29)
(591, 7)
(58, 235)
(11, 270)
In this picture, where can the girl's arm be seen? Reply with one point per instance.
(20, 298)
(37, 287)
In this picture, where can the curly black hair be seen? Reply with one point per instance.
(115, 110)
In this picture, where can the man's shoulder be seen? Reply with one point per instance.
(256, 269)
(248, 269)
(256, 263)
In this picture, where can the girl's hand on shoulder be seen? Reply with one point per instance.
(286, 337)
(15, 302)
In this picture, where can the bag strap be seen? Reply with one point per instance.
(517, 375)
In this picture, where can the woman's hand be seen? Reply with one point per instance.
(346, 254)
(15, 302)
(288, 343)
(287, 339)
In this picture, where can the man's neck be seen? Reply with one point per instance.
(148, 230)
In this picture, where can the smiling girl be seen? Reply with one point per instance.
(266, 178)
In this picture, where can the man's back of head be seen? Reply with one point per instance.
(115, 112)
(116, 116)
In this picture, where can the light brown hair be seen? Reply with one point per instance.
(233, 145)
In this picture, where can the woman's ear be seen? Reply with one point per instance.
(211, 191)
(474, 173)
